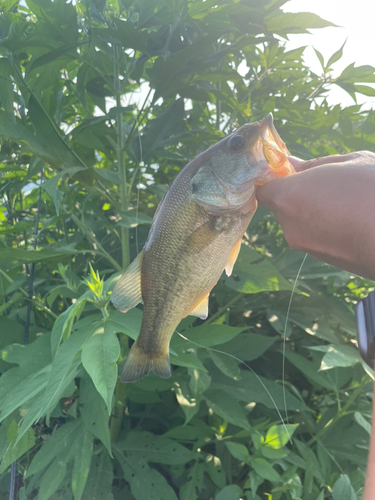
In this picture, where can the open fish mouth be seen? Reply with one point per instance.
(274, 149)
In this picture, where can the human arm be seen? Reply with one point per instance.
(328, 209)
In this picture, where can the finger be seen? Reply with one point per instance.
(328, 160)
(295, 161)
(266, 194)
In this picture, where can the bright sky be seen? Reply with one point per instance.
(356, 20)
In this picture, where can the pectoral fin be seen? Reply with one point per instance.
(233, 257)
(201, 311)
(127, 293)
(203, 236)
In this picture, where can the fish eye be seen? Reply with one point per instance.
(236, 143)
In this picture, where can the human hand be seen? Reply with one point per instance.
(327, 209)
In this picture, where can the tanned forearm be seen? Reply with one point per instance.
(328, 210)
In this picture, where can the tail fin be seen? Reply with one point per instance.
(139, 364)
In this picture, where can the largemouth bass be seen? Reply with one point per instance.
(196, 233)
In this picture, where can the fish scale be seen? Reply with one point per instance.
(196, 233)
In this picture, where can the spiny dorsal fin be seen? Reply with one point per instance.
(127, 293)
(233, 257)
(201, 311)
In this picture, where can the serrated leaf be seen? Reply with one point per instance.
(99, 356)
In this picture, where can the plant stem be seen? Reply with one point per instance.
(340, 413)
(223, 309)
(121, 167)
(90, 235)
(118, 411)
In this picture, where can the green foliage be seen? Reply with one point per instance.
(110, 99)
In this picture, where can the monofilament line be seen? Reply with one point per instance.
(252, 371)
(284, 335)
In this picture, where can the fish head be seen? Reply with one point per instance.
(249, 157)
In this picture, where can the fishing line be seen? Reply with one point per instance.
(13, 470)
(252, 371)
(284, 335)
(138, 190)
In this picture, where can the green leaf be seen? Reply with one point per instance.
(206, 335)
(215, 470)
(15, 451)
(99, 357)
(320, 57)
(100, 478)
(82, 462)
(189, 404)
(154, 448)
(226, 364)
(278, 435)
(51, 185)
(60, 444)
(145, 483)
(63, 325)
(226, 407)
(19, 255)
(130, 220)
(254, 273)
(336, 56)
(188, 491)
(343, 490)
(51, 479)
(360, 419)
(309, 369)
(231, 492)
(265, 469)
(250, 389)
(238, 451)
(290, 22)
(129, 323)
(337, 355)
(94, 412)
(365, 90)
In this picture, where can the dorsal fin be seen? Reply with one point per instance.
(127, 293)
(201, 311)
(233, 257)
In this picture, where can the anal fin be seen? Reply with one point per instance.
(233, 257)
(201, 311)
(127, 292)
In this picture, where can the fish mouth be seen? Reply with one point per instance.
(274, 150)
